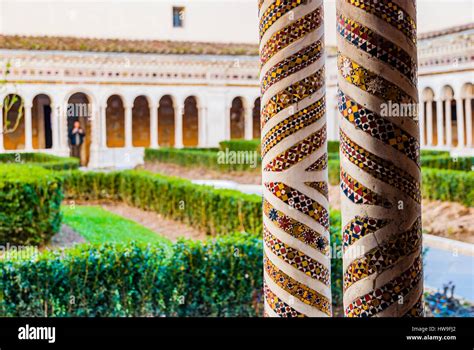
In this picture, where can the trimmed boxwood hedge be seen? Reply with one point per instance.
(447, 162)
(240, 145)
(30, 200)
(43, 160)
(215, 211)
(189, 157)
(448, 185)
(220, 277)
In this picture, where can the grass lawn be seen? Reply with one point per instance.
(98, 225)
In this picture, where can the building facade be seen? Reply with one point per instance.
(131, 95)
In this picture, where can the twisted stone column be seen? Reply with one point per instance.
(380, 160)
(295, 190)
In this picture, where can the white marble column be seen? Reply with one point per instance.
(468, 121)
(460, 122)
(95, 122)
(429, 123)
(439, 122)
(154, 125)
(103, 126)
(227, 120)
(178, 126)
(248, 130)
(449, 131)
(128, 126)
(28, 126)
(63, 130)
(202, 127)
(55, 127)
(421, 122)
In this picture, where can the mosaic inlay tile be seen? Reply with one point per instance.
(296, 258)
(379, 299)
(383, 257)
(296, 229)
(297, 289)
(298, 152)
(378, 127)
(359, 194)
(290, 34)
(292, 94)
(381, 169)
(292, 124)
(300, 202)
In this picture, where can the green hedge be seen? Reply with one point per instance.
(221, 277)
(212, 210)
(43, 160)
(241, 145)
(447, 162)
(209, 159)
(448, 185)
(30, 200)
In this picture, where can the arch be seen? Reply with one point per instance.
(191, 122)
(429, 115)
(141, 122)
(450, 116)
(166, 121)
(41, 122)
(237, 119)
(14, 122)
(256, 131)
(79, 109)
(115, 122)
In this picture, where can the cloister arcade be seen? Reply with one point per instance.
(118, 121)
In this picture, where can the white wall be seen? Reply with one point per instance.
(205, 20)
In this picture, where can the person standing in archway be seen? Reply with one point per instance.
(76, 139)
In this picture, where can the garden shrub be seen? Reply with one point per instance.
(447, 162)
(333, 147)
(241, 145)
(448, 185)
(43, 160)
(206, 158)
(215, 211)
(30, 200)
(220, 277)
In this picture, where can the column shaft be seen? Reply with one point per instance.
(380, 171)
(128, 126)
(440, 122)
(468, 122)
(429, 122)
(178, 127)
(421, 122)
(460, 122)
(28, 128)
(448, 122)
(294, 159)
(55, 128)
(248, 130)
(153, 126)
(103, 126)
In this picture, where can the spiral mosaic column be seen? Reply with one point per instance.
(295, 190)
(380, 160)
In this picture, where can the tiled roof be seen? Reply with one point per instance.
(446, 31)
(49, 43)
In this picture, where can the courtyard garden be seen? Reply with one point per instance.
(153, 242)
